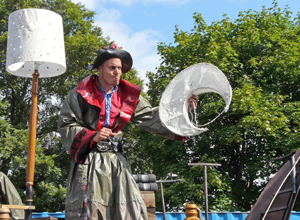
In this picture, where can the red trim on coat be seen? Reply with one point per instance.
(88, 88)
(79, 148)
(130, 98)
(131, 92)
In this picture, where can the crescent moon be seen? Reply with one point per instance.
(197, 79)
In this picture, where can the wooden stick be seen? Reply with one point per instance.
(31, 144)
(17, 207)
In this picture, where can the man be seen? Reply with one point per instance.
(100, 185)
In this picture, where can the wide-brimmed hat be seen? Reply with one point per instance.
(113, 51)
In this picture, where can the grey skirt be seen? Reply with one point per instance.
(111, 191)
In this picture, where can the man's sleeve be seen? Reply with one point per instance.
(75, 136)
(10, 196)
(147, 117)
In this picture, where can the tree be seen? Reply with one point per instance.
(258, 52)
(82, 40)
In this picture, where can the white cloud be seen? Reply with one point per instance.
(89, 4)
(92, 4)
(130, 2)
(141, 45)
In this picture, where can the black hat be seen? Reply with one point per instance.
(113, 51)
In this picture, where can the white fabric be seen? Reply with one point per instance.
(35, 35)
(197, 79)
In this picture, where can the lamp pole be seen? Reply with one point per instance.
(205, 183)
(35, 42)
(31, 144)
(162, 193)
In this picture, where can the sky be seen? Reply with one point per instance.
(139, 25)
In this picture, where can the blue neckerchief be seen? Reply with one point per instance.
(108, 98)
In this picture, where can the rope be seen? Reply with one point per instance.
(194, 118)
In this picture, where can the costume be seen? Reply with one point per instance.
(10, 196)
(111, 192)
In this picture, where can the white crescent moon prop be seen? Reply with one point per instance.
(197, 79)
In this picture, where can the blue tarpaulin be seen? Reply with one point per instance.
(177, 215)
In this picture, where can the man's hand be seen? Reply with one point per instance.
(103, 134)
(193, 102)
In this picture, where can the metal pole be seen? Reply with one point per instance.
(162, 193)
(205, 193)
(205, 183)
(163, 200)
(31, 144)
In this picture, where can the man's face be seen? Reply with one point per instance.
(110, 72)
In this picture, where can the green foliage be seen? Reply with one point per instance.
(13, 143)
(258, 52)
(132, 76)
(82, 40)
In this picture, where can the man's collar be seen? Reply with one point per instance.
(114, 90)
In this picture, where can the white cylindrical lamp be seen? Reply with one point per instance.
(35, 48)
